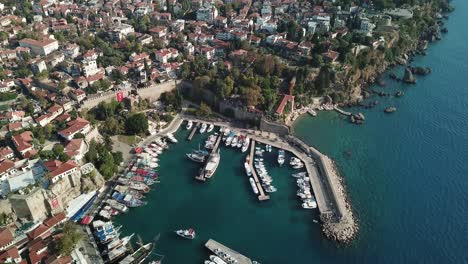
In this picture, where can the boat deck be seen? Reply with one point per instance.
(262, 196)
(241, 259)
(194, 129)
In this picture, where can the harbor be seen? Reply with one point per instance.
(267, 162)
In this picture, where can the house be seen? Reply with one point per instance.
(139, 57)
(208, 52)
(37, 250)
(159, 31)
(79, 125)
(6, 238)
(38, 65)
(76, 149)
(40, 47)
(58, 170)
(72, 50)
(331, 56)
(14, 116)
(286, 99)
(207, 13)
(23, 144)
(77, 94)
(10, 256)
(55, 111)
(7, 167)
(6, 153)
(163, 55)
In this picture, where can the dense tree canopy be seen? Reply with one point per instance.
(136, 124)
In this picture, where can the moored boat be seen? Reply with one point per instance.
(246, 144)
(186, 233)
(254, 186)
(196, 157)
(248, 170)
(210, 128)
(189, 124)
(281, 156)
(203, 128)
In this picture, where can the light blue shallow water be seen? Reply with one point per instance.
(405, 173)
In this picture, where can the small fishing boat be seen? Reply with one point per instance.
(234, 141)
(186, 233)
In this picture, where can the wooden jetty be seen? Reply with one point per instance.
(262, 196)
(241, 259)
(194, 129)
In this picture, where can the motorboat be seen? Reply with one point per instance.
(217, 259)
(240, 142)
(254, 186)
(299, 174)
(248, 170)
(171, 138)
(281, 156)
(203, 128)
(186, 233)
(245, 145)
(210, 128)
(309, 204)
(230, 138)
(196, 157)
(189, 124)
(234, 141)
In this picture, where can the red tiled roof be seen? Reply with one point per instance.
(73, 147)
(283, 103)
(5, 236)
(54, 109)
(6, 165)
(11, 253)
(74, 126)
(5, 151)
(38, 43)
(56, 167)
(23, 141)
(54, 220)
(14, 126)
(38, 231)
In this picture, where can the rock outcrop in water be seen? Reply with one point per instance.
(420, 70)
(408, 77)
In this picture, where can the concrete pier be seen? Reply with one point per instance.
(194, 129)
(241, 259)
(342, 111)
(261, 193)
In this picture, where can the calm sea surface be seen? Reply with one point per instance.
(406, 174)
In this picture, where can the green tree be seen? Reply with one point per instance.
(136, 124)
(69, 239)
(204, 110)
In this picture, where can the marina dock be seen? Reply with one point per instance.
(194, 129)
(261, 196)
(241, 259)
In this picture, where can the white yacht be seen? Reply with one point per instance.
(254, 186)
(212, 164)
(281, 156)
(171, 138)
(246, 144)
(248, 170)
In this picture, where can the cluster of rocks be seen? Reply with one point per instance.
(420, 70)
(357, 119)
(409, 77)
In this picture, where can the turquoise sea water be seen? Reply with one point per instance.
(405, 173)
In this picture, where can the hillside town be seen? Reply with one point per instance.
(77, 76)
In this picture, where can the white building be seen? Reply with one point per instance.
(207, 13)
(43, 47)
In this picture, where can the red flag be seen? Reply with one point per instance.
(120, 96)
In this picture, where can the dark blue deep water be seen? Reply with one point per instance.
(406, 174)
